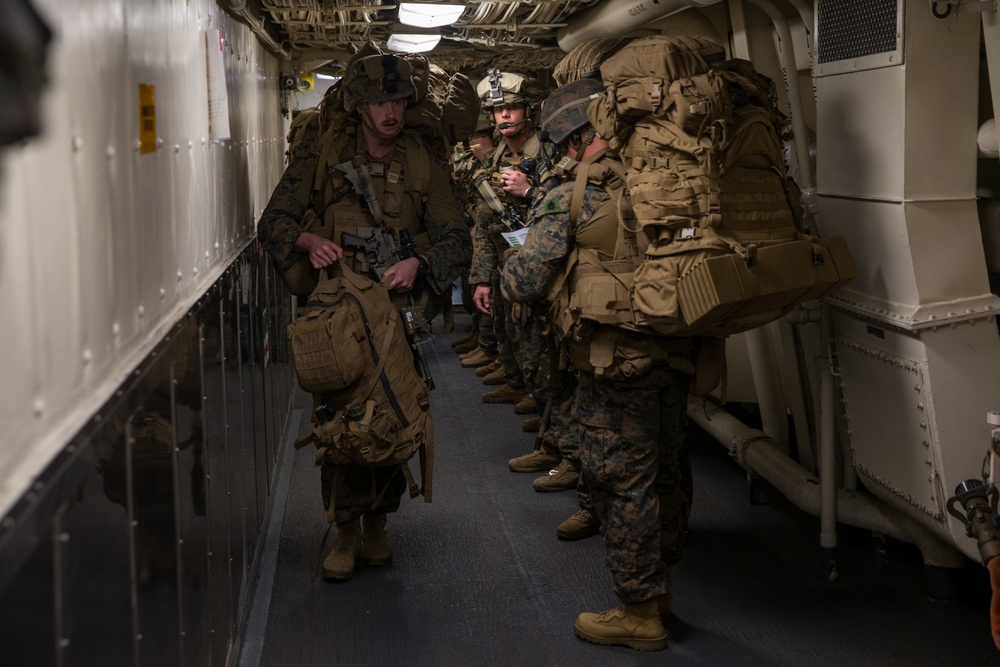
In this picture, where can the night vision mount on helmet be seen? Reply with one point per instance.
(501, 88)
(379, 78)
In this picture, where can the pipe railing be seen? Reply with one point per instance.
(759, 455)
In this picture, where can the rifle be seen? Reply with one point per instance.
(382, 249)
(508, 214)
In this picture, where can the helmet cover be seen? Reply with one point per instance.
(502, 88)
(378, 78)
(565, 110)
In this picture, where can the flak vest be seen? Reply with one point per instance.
(507, 158)
(401, 181)
(605, 349)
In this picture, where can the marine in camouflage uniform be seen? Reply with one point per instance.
(303, 224)
(630, 408)
(481, 144)
(510, 98)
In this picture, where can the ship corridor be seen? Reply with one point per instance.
(479, 576)
(156, 513)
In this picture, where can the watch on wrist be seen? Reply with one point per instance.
(423, 266)
(529, 194)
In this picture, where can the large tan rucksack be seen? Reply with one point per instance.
(350, 352)
(445, 111)
(718, 245)
(585, 59)
(447, 107)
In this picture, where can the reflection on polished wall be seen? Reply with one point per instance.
(138, 544)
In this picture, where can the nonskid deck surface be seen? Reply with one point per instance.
(479, 577)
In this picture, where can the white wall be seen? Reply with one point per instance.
(102, 248)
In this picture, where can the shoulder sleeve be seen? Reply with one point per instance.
(527, 275)
(281, 222)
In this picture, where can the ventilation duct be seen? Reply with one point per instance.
(617, 17)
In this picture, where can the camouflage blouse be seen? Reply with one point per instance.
(528, 274)
(281, 223)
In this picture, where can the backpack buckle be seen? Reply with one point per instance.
(656, 93)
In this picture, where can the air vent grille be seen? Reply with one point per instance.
(849, 29)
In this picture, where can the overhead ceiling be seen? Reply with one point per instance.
(509, 34)
(517, 35)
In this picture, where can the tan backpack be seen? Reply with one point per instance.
(447, 107)
(371, 406)
(444, 103)
(718, 246)
(585, 59)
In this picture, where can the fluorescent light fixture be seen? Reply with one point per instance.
(422, 15)
(413, 43)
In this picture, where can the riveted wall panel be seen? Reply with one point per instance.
(107, 240)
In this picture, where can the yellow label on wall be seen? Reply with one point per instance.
(147, 118)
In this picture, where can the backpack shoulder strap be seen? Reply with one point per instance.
(583, 175)
(418, 159)
(558, 294)
(583, 170)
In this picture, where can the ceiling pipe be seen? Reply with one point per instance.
(805, 10)
(617, 17)
(786, 56)
(239, 9)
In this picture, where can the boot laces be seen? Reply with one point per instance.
(608, 614)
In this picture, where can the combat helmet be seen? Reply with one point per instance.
(565, 110)
(378, 78)
(499, 88)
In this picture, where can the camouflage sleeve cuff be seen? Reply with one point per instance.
(482, 276)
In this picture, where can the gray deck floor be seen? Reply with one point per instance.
(480, 578)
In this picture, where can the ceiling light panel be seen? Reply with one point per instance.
(425, 15)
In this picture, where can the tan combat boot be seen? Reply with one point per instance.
(532, 424)
(504, 394)
(476, 358)
(561, 478)
(461, 342)
(375, 547)
(526, 406)
(483, 371)
(467, 346)
(633, 624)
(340, 562)
(536, 461)
(494, 377)
(581, 525)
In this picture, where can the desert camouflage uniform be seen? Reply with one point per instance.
(631, 430)
(446, 246)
